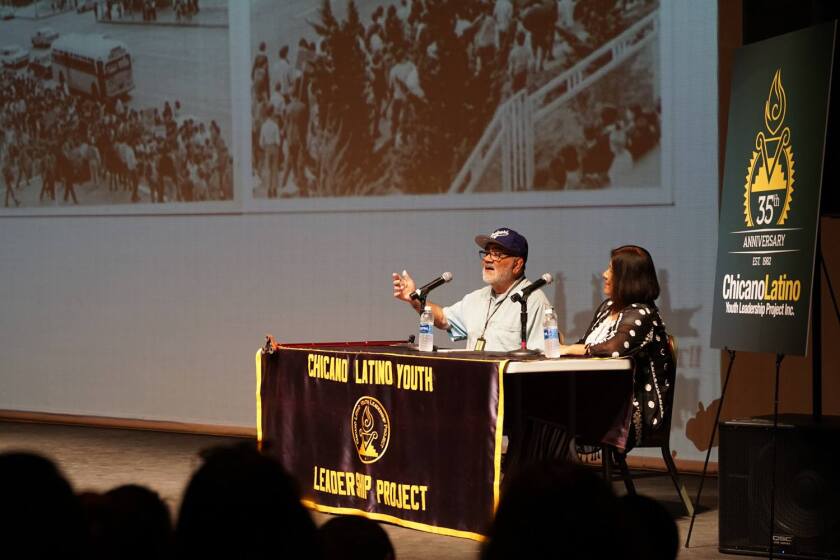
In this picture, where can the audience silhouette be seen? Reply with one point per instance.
(128, 522)
(653, 529)
(556, 510)
(355, 538)
(241, 503)
(40, 516)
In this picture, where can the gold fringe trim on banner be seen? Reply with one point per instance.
(259, 399)
(500, 422)
(395, 520)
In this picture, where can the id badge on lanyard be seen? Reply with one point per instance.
(481, 341)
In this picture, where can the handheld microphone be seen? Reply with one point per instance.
(422, 292)
(523, 294)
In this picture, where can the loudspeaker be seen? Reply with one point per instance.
(807, 511)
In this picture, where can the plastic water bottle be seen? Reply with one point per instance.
(426, 341)
(551, 334)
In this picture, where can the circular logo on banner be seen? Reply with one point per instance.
(769, 183)
(371, 429)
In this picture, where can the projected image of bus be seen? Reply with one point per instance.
(92, 65)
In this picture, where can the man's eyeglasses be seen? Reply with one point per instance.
(495, 256)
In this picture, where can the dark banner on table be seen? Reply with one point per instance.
(409, 439)
(771, 192)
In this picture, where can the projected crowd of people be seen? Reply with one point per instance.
(103, 151)
(413, 86)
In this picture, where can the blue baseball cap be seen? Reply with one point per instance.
(509, 239)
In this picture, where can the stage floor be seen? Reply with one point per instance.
(99, 459)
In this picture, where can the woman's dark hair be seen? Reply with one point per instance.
(633, 277)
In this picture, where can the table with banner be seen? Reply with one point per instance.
(415, 438)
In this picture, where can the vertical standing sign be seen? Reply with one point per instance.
(771, 192)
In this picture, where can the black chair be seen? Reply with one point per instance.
(611, 457)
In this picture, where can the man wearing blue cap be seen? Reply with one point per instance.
(486, 318)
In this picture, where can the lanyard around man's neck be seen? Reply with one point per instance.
(499, 303)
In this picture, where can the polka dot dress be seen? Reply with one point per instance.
(638, 332)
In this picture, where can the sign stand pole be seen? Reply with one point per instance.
(816, 329)
(779, 358)
(711, 443)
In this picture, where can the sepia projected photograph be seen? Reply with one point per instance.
(116, 106)
(373, 103)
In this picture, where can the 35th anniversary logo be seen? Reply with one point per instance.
(768, 204)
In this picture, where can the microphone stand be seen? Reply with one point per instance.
(523, 351)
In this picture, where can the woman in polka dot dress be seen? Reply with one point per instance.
(628, 324)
